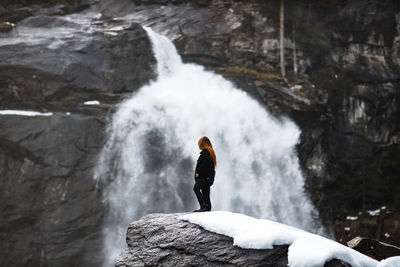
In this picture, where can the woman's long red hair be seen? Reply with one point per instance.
(204, 143)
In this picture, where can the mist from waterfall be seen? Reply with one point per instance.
(148, 162)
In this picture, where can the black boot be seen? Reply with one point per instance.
(201, 210)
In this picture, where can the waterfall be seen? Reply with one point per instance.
(148, 162)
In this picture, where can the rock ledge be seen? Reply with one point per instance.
(164, 240)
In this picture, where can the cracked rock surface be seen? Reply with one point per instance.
(165, 240)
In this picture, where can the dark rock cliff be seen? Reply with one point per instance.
(51, 209)
(86, 58)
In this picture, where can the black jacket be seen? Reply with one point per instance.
(205, 165)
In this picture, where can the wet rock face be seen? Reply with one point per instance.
(51, 208)
(215, 33)
(164, 240)
(17, 10)
(49, 59)
(358, 135)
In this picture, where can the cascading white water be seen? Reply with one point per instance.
(147, 164)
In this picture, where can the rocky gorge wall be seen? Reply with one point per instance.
(347, 106)
(51, 207)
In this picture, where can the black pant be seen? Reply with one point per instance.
(202, 190)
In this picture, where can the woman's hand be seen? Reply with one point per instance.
(197, 175)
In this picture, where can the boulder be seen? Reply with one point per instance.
(164, 240)
(5, 27)
(373, 248)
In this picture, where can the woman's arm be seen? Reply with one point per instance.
(200, 161)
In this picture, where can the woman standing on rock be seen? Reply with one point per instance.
(204, 174)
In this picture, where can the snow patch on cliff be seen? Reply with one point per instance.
(24, 113)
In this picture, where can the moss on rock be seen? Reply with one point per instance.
(6, 27)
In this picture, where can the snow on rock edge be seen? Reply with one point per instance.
(305, 249)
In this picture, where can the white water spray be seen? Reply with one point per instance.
(147, 164)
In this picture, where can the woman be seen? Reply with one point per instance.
(204, 174)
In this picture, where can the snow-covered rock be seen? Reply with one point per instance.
(171, 240)
(390, 262)
(374, 248)
(305, 249)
